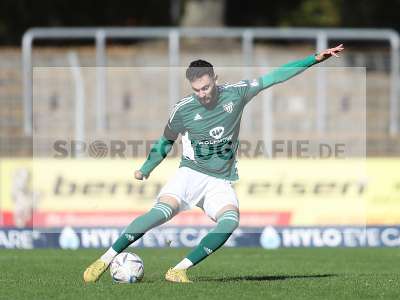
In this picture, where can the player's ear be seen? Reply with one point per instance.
(216, 78)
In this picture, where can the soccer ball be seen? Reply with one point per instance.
(127, 268)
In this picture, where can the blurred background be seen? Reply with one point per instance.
(375, 51)
(111, 70)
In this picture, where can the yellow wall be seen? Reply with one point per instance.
(315, 192)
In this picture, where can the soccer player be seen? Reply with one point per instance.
(209, 122)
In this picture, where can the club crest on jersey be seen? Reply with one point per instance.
(217, 132)
(228, 107)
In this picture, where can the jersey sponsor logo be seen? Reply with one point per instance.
(213, 142)
(217, 132)
(197, 117)
(228, 107)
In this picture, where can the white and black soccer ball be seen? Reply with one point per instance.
(127, 268)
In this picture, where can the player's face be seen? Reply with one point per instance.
(204, 88)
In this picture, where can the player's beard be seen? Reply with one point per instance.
(210, 100)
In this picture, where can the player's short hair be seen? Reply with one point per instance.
(198, 68)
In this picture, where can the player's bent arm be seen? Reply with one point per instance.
(158, 152)
(287, 71)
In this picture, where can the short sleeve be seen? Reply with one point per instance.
(174, 126)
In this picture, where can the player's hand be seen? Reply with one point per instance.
(329, 52)
(139, 175)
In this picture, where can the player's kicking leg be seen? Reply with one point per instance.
(163, 211)
(227, 222)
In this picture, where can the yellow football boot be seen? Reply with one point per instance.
(94, 271)
(174, 275)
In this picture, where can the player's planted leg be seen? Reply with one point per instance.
(159, 214)
(228, 221)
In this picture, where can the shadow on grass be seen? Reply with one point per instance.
(266, 277)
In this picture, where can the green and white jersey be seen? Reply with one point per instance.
(210, 135)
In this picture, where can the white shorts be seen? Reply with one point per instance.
(192, 188)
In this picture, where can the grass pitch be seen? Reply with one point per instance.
(242, 273)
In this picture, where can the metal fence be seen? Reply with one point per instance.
(174, 35)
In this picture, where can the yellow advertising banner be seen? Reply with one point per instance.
(299, 192)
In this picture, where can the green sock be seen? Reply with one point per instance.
(158, 215)
(227, 223)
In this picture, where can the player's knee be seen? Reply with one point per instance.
(164, 210)
(225, 209)
(229, 220)
(171, 201)
(231, 225)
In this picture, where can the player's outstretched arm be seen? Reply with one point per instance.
(294, 68)
(158, 152)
